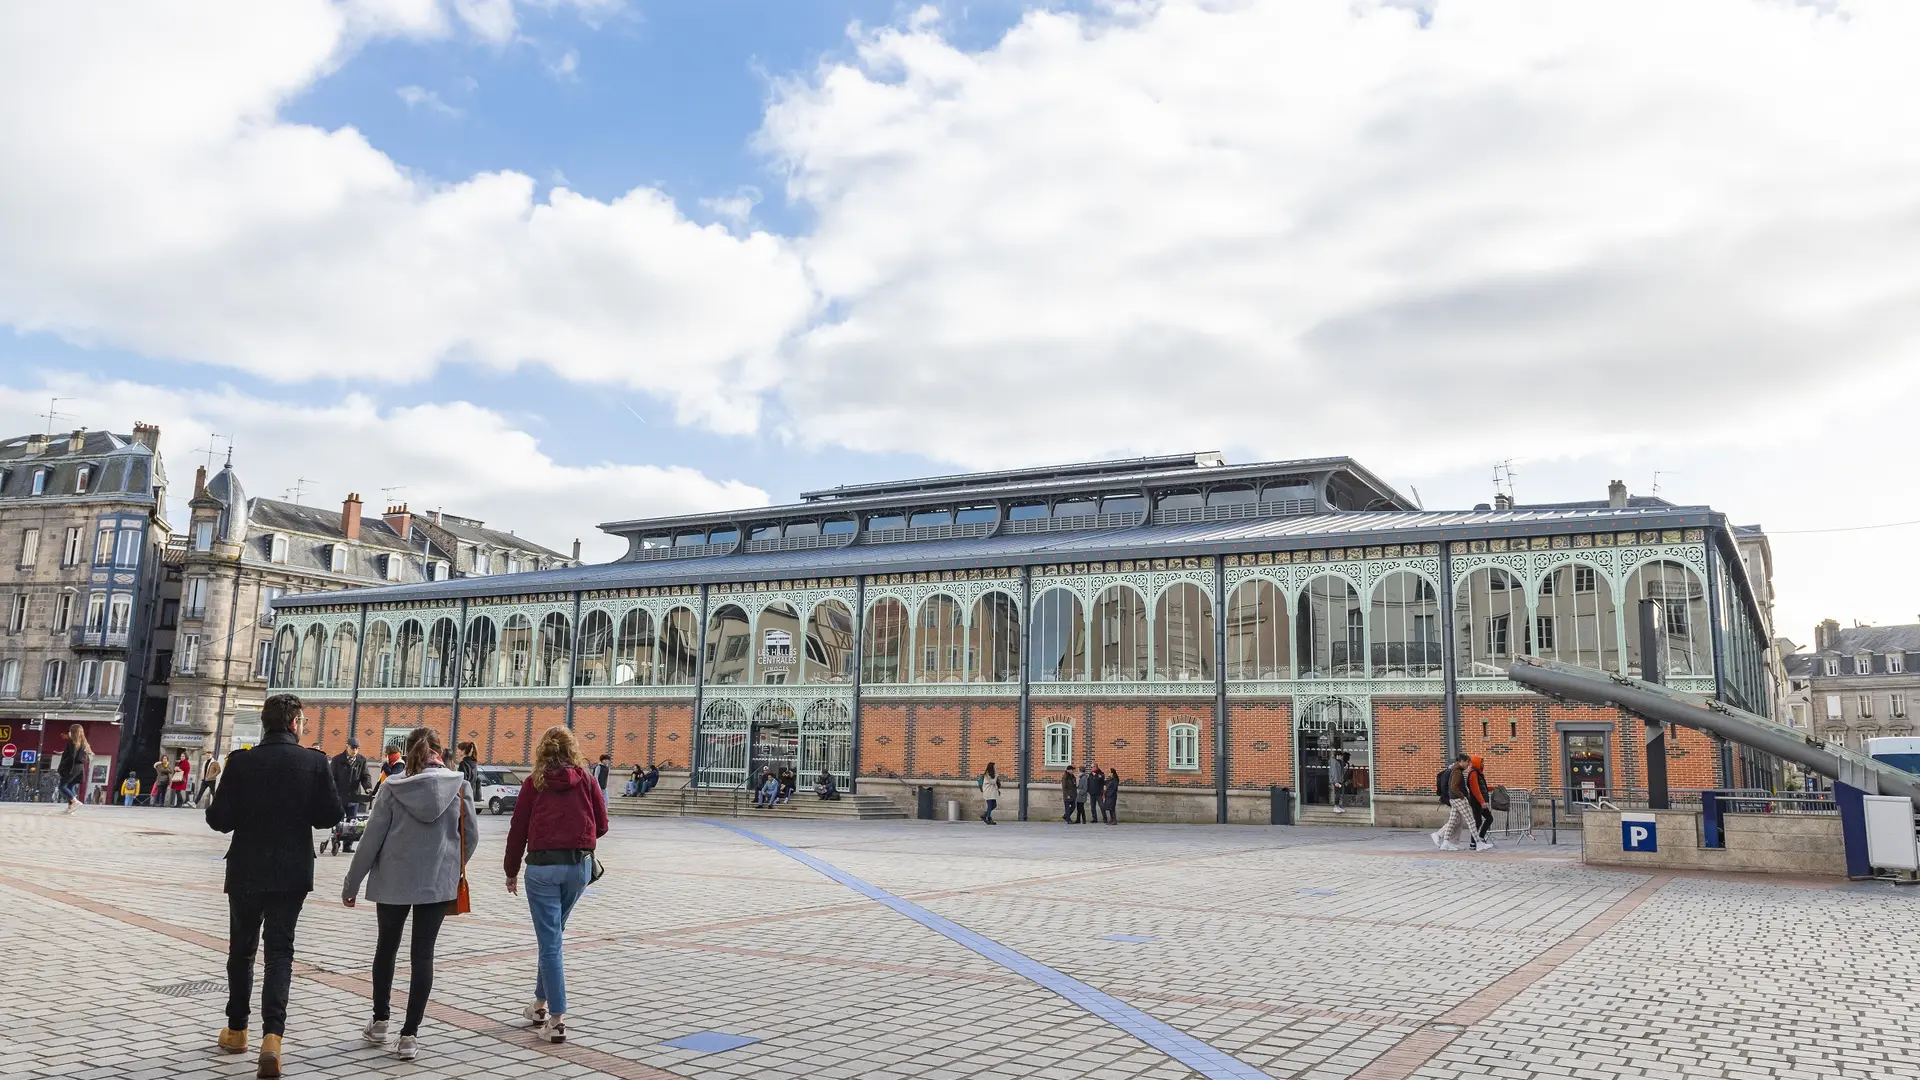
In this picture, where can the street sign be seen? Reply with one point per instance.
(1638, 833)
(28, 757)
(7, 752)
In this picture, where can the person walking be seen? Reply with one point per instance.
(418, 839)
(162, 780)
(990, 792)
(181, 781)
(393, 766)
(1067, 788)
(270, 798)
(602, 771)
(1477, 795)
(470, 769)
(349, 770)
(1337, 771)
(1096, 783)
(129, 789)
(1110, 794)
(1083, 784)
(75, 760)
(1459, 824)
(209, 772)
(557, 823)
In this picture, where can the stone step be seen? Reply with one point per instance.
(1324, 815)
(700, 803)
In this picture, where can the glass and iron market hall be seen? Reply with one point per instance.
(1209, 630)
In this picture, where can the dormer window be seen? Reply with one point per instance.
(1896, 663)
(203, 536)
(277, 548)
(82, 480)
(39, 481)
(1833, 666)
(337, 558)
(392, 567)
(1863, 665)
(436, 571)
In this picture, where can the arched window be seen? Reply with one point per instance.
(379, 654)
(633, 650)
(286, 656)
(409, 646)
(1183, 747)
(555, 651)
(343, 656)
(1258, 632)
(596, 650)
(443, 642)
(993, 643)
(310, 650)
(1576, 620)
(679, 663)
(777, 658)
(729, 646)
(1058, 746)
(1057, 638)
(515, 665)
(884, 642)
(1405, 627)
(483, 646)
(937, 638)
(830, 644)
(1686, 626)
(1331, 630)
(9, 673)
(1183, 633)
(1490, 623)
(1120, 635)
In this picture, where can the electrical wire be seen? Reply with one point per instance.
(1841, 529)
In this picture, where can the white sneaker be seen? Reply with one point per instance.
(375, 1033)
(535, 1013)
(1435, 837)
(407, 1048)
(1449, 846)
(1486, 845)
(1339, 809)
(554, 1030)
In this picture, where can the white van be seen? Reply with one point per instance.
(499, 788)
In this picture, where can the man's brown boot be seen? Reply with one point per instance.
(232, 1041)
(269, 1056)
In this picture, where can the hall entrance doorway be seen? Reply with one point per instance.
(1330, 730)
(775, 743)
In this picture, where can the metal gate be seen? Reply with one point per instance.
(826, 741)
(723, 746)
(776, 739)
(1327, 727)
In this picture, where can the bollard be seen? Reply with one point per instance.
(1280, 809)
(953, 809)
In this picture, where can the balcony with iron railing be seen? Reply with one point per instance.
(99, 637)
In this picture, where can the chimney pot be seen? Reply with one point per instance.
(1503, 501)
(400, 521)
(350, 516)
(1616, 494)
(199, 481)
(147, 435)
(36, 443)
(576, 549)
(77, 441)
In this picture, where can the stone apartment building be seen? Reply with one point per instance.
(82, 531)
(1857, 683)
(239, 553)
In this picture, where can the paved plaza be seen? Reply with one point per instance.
(921, 949)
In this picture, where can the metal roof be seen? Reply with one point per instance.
(1203, 459)
(1145, 541)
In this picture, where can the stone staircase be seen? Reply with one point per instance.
(707, 802)
(1324, 815)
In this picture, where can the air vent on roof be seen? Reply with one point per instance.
(1237, 511)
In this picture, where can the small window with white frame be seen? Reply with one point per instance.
(1833, 706)
(29, 548)
(1583, 579)
(1897, 705)
(337, 558)
(393, 567)
(1863, 665)
(203, 536)
(1833, 666)
(263, 660)
(1183, 747)
(83, 480)
(277, 548)
(1896, 663)
(1058, 746)
(40, 481)
(1865, 705)
(70, 553)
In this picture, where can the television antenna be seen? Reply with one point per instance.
(211, 449)
(298, 489)
(53, 414)
(1657, 474)
(386, 493)
(1503, 476)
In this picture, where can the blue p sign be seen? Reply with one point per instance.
(1637, 833)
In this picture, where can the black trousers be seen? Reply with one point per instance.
(1482, 820)
(279, 913)
(426, 930)
(1080, 811)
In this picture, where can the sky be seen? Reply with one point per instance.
(556, 262)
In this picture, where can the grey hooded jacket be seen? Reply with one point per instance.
(410, 853)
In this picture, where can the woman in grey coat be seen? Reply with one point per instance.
(411, 858)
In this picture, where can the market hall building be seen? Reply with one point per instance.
(1211, 631)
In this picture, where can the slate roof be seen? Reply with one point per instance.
(1145, 541)
(122, 467)
(273, 515)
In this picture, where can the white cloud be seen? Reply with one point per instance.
(1324, 227)
(735, 209)
(155, 200)
(454, 456)
(418, 97)
(566, 68)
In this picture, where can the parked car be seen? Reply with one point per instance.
(499, 789)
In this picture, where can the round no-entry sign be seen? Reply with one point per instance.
(7, 752)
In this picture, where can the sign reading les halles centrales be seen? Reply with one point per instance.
(776, 648)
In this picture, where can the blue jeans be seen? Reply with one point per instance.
(551, 893)
(69, 792)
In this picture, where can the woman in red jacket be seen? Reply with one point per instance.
(557, 821)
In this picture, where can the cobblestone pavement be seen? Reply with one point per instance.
(1310, 953)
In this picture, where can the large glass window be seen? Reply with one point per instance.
(938, 640)
(1683, 607)
(729, 646)
(483, 646)
(1183, 633)
(310, 650)
(885, 642)
(1258, 634)
(379, 654)
(343, 656)
(633, 650)
(679, 653)
(1576, 620)
(1058, 752)
(1406, 627)
(555, 666)
(1491, 623)
(1331, 630)
(409, 644)
(286, 654)
(993, 643)
(515, 666)
(777, 658)
(1183, 747)
(1120, 635)
(1057, 638)
(830, 644)
(596, 650)
(443, 641)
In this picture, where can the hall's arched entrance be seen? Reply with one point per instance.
(1329, 729)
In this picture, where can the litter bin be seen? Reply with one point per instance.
(923, 803)
(1282, 799)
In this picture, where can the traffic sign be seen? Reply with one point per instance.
(28, 757)
(7, 752)
(1638, 832)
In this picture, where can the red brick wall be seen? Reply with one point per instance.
(883, 738)
(1260, 736)
(1409, 744)
(993, 735)
(933, 739)
(328, 720)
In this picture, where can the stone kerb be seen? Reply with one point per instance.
(1758, 843)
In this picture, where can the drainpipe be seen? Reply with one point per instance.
(859, 672)
(573, 661)
(1450, 674)
(1024, 724)
(1219, 690)
(459, 673)
(699, 686)
(359, 662)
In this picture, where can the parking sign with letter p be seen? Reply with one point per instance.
(1637, 832)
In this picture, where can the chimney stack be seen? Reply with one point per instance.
(350, 516)
(1503, 501)
(77, 442)
(1827, 635)
(147, 435)
(1616, 494)
(400, 520)
(200, 482)
(36, 444)
(576, 549)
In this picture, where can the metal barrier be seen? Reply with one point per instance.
(29, 785)
(1518, 816)
(1787, 802)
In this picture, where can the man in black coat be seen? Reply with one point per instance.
(270, 798)
(349, 770)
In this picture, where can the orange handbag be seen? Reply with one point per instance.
(462, 901)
